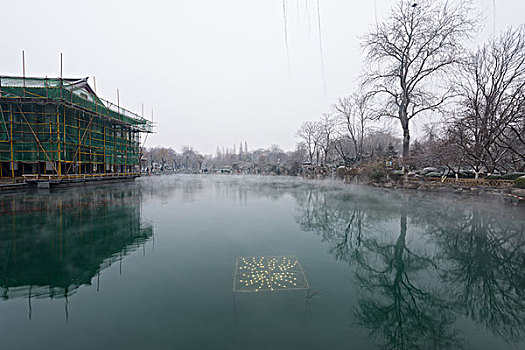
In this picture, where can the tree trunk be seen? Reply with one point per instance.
(403, 118)
(400, 247)
(406, 140)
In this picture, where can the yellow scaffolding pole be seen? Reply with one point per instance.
(104, 129)
(58, 144)
(80, 140)
(37, 139)
(64, 138)
(79, 159)
(35, 123)
(11, 138)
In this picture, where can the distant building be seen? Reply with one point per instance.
(60, 129)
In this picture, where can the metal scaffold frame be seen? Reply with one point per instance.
(60, 129)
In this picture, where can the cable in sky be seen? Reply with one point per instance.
(321, 47)
(375, 11)
(286, 40)
(493, 17)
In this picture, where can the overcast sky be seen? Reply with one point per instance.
(214, 71)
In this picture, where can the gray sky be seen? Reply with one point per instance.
(214, 71)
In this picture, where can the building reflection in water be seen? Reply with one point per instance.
(424, 263)
(53, 243)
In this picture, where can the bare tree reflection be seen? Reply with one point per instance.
(340, 218)
(403, 310)
(484, 255)
(458, 263)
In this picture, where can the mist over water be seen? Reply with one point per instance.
(151, 264)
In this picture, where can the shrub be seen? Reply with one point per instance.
(396, 175)
(466, 175)
(520, 182)
(494, 177)
(342, 171)
(373, 172)
(512, 176)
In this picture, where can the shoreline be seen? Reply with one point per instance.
(507, 194)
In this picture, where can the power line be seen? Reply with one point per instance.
(286, 40)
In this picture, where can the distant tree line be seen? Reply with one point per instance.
(272, 160)
(165, 159)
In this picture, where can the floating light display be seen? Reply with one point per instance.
(269, 274)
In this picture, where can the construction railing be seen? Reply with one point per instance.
(473, 182)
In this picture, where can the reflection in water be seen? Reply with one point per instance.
(426, 272)
(403, 309)
(51, 244)
(438, 265)
(485, 256)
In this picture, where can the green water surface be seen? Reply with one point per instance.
(151, 265)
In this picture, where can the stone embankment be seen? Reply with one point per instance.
(501, 189)
(378, 176)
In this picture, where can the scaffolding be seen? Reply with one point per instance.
(53, 128)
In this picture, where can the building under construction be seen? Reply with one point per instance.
(59, 130)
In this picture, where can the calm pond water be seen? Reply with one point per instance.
(173, 262)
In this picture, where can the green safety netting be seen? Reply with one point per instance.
(85, 137)
(74, 91)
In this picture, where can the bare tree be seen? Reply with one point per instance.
(380, 143)
(353, 114)
(307, 132)
(345, 149)
(437, 149)
(410, 52)
(191, 159)
(490, 129)
(326, 128)
(162, 156)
